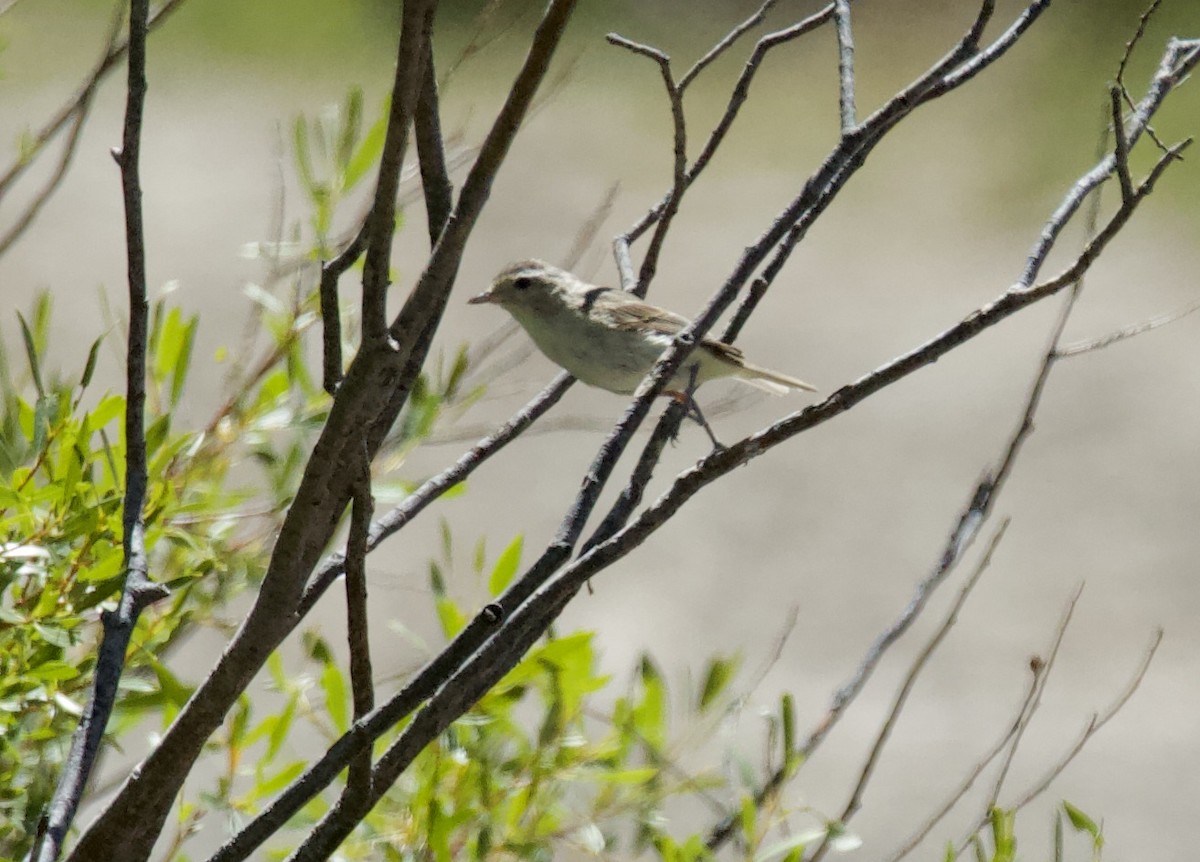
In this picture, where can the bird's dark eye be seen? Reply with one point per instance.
(522, 282)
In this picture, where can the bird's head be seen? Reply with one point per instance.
(526, 284)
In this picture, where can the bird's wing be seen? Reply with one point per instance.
(627, 312)
(725, 351)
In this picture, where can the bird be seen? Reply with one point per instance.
(610, 338)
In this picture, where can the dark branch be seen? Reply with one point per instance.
(431, 152)
(139, 591)
(331, 313)
(679, 172)
(362, 685)
(415, 28)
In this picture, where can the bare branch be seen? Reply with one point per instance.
(1037, 668)
(737, 98)
(132, 819)
(415, 32)
(726, 42)
(76, 103)
(1043, 678)
(431, 152)
(1094, 724)
(1091, 728)
(331, 312)
(139, 591)
(78, 116)
(1121, 146)
(906, 687)
(845, 38)
(1077, 347)
(679, 174)
(358, 782)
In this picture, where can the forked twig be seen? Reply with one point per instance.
(906, 687)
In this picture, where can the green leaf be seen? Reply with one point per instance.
(90, 368)
(183, 362)
(279, 780)
(779, 849)
(53, 671)
(787, 711)
(282, 727)
(109, 408)
(749, 818)
(176, 691)
(450, 616)
(506, 566)
(351, 127)
(333, 683)
(1003, 835)
(1081, 821)
(31, 354)
(303, 155)
(367, 154)
(716, 680)
(41, 421)
(650, 713)
(480, 558)
(457, 371)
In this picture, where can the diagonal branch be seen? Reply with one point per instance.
(906, 687)
(76, 103)
(78, 116)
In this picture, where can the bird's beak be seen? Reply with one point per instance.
(480, 299)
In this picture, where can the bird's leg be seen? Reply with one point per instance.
(693, 408)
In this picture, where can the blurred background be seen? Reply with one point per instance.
(840, 523)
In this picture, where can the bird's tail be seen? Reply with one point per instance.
(772, 381)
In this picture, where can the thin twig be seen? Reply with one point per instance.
(1143, 22)
(1121, 145)
(1094, 725)
(906, 687)
(55, 124)
(845, 38)
(1075, 348)
(331, 313)
(1036, 670)
(79, 115)
(1027, 719)
(358, 781)
(679, 172)
(726, 42)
